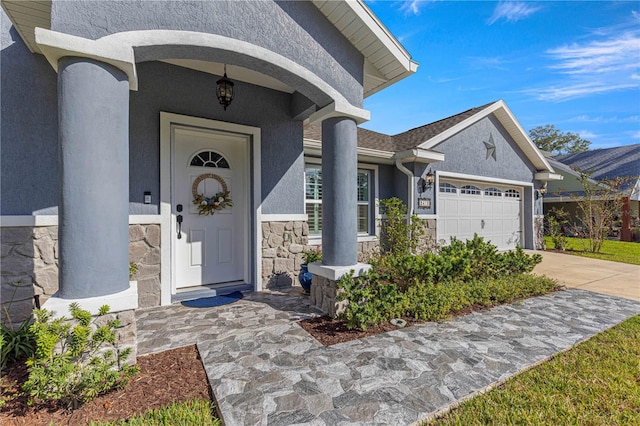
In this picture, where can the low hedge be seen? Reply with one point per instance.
(434, 286)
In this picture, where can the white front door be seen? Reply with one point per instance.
(209, 249)
(492, 211)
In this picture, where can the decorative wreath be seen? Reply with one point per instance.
(209, 205)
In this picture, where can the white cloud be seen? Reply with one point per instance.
(608, 61)
(599, 56)
(586, 134)
(512, 11)
(584, 118)
(578, 90)
(411, 6)
(636, 135)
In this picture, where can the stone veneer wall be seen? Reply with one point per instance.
(144, 251)
(538, 233)
(282, 247)
(29, 266)
(323, 295)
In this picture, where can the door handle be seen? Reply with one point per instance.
(179, 220)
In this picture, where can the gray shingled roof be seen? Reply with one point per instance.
(607, 163)
(402, 141)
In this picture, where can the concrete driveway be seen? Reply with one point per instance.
(600, 276)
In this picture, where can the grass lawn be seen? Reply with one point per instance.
(195, 412)
(594, 383)
(617, 251)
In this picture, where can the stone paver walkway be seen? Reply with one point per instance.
(265, 369)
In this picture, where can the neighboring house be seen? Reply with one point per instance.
(600, 165)
(111, 129)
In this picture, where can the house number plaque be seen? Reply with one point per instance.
(424, 203)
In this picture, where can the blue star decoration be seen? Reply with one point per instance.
(491, 148)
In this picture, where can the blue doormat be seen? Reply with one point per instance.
(208, 302)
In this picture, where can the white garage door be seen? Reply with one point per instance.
(491, 211)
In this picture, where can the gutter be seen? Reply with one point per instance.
(410, 197)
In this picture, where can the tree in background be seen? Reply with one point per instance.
(550, 139)
(600, 208)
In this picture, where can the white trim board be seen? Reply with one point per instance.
(14, 221)
(267, 217)
(167, 120)
(463, 176)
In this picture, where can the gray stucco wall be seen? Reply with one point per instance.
(29, 148)
(168, 88)
(294, 29)
(29, 123)
(466, 153)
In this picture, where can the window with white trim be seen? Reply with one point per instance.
(512, 193)
(493, 192)
(447, 187)
(470, 190)
(313, 199)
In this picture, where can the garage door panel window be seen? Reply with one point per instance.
(493, 192)
(313, 199)
(470, 190)
(512, 193)
(448, 188)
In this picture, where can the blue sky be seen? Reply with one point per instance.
(573, 64)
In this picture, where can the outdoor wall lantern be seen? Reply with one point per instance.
(430, 178)
(426, 182)
(224, 90)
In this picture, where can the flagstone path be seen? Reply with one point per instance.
(264, 369)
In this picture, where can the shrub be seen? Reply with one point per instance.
(15, 344)
(73, 363)
(399, 236)
(312, 255)
(557, 219)
(370, 301)
(433, 286)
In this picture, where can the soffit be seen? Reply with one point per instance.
(386, 61)
(26, 16)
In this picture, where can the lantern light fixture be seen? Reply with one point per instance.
(224, 90)
(430, 177)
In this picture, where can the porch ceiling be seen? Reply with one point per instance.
(386, 61)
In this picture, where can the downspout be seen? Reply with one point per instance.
(409, 174)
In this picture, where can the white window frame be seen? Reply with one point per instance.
(373, 201)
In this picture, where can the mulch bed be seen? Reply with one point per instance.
(330, 331)
(167, 377)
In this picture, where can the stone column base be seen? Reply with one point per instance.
(324, 289)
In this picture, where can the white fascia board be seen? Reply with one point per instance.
(55, 45)
(315, 148)
(418, 155)
(546, 176)
(430, 143)
(520, 137)
(523, 140)
(333, 110)
(383, 34)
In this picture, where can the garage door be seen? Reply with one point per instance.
(491, 211)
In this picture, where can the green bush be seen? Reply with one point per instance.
(15, 344)
(397, 236)
(75, 361)
(433, 286)
(371, 301)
